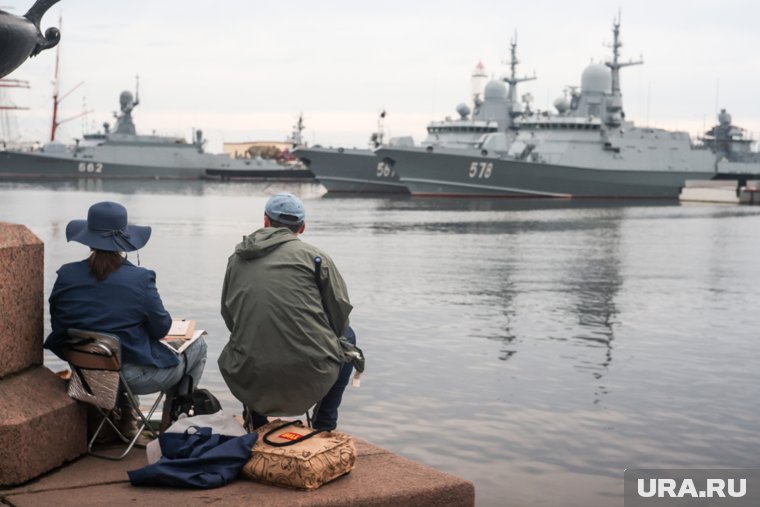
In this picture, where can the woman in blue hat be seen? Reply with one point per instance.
(107, 293)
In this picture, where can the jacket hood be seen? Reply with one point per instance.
(263, 242)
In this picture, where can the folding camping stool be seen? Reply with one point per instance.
(95, 360)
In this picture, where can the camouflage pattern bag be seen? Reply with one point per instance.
(290, 455)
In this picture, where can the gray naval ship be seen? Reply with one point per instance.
(586, 149)
(122, 153)
(361, 171)
(352, 170)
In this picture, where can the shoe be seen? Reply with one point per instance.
(253, 422)
(144, 439)
(129, 422)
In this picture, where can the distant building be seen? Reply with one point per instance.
(252, 149)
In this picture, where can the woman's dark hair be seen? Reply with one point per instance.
(103, 263)
(293, 228)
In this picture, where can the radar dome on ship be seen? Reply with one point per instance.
(463, 110)
(562, 104)
(126, 97)
(495, 90)
(596, 78)
(724, 117)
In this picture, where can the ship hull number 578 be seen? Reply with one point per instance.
(480, 170)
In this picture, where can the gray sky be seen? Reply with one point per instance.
(244, 70)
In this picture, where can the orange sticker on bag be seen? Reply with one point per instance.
(290, 436)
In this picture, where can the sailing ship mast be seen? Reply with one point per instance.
(54, 123)
(56, 99)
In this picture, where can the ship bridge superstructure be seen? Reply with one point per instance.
(495, 108)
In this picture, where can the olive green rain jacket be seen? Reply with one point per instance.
(283, 354)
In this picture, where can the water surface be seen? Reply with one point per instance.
(535, 347)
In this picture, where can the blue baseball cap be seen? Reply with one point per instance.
(286, 209)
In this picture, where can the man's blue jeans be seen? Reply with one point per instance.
(327, 412)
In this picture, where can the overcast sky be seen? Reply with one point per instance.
(243, 70)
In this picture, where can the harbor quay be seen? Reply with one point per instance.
(43, 432)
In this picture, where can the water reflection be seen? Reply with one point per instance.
(594, 280)
(517, 204)
(308, 190)
(518, 270)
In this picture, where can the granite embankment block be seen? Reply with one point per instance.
(380, 479)
(40, 426)
(21, 298)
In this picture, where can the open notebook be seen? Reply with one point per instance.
(181, 335)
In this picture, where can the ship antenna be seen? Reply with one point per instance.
(137, 90)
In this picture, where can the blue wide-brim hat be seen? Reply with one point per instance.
(106, 228)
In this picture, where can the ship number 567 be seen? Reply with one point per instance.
(384, 170)
(481, 170)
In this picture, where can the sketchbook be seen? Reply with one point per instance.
(181, 335)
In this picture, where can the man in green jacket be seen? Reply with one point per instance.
(286, 305)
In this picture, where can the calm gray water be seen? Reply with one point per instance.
(536, 348)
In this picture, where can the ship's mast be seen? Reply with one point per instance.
(615, 65)
(58, 99)
(296, 137)
(512, 80)
(54, 124)
(6, 129)
(377, 137)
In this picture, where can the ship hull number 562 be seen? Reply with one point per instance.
(90, 167)
(480, 170)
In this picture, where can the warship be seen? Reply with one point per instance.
(361, 171)
(586, 149)
(352, 170)
(122, 153)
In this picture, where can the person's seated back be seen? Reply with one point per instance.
(107, 293)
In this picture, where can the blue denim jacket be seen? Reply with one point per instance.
(126, 304)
